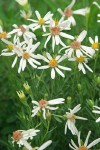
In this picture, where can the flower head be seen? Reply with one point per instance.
(84, 146)
(94, 43)
(44, 106)
(53, 63)
(69, 13)
(42, 22)
(71, 119)
(56, 28)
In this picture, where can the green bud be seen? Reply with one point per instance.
(48, 116)
(79, 87)
(98, 80)
(90, 102)
(21, 95)
(69, 100)
(27, 87)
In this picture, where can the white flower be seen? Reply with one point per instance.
(71, 119)
(21, 136)
(23, 30)
(3, 34)
(56, 28)
(25, 15)
(94, 43)
(12, 47)
(22, 2)
(82, 63)
(77, 49)
(84, 146)
(97, 112)
(42, 22)
(68, 12)
(53, 63)
(27, 55)
(45, 106)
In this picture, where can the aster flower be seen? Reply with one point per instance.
(56, 28)
(71, 119)
(82, 63)
(94, 43)
(42, 22)
(42, 147)
(23, 30)
(25, 15)
(27, 55)
(53, 63)
(77, 49)
(68, 12)
(45, 106)
(21, 136)
(84, 146)
(3, 34)
(97, 112)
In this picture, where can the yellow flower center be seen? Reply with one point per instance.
(68, 12)
(75, 45)
(43, 103)
(10, 47)
(26, 55)
(41, 21)
(55, 30)
(95, 45)
(53, 63)
(82, 148)
(17, 135)
(80, 59)
(22, 28)
(72, 118)
(33, 149)
(3, 35)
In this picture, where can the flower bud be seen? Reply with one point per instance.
(48, 115)
(79, 87)
(90, 102)
(22, 2)
(69, 100)
(26, 86)
(21, 95)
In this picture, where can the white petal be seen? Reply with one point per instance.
(88, 67)
(91, 40)
(44, 113)
(24, 64)
(46, 144)
(72, 20)
(56, 101)
(14, 62)
(66, 35)
(82, 36)
(64, 68)
(47, 40)
(93, 143)
(20, 65)
(71, 4)
(82, 11)
(26, 144)
(44, 67)
(98, 120)
(81, 118)
(96, 39)
(57, 39)
(31, 63)
(65, 128)
(37, 14)
(53, 43)
(60, 72)
(87, 138)
(52, 73)
(49, 56)
(79, 141)
(76, 108)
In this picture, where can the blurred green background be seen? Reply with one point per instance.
(9, 79)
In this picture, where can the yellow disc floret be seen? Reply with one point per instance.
(80, 59)
(95, 45)
(26, 55)
(41, 21)
(10, 47)
(3, 35)
(53, 63)
(82, 148)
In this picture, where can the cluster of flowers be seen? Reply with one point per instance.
(25, 51)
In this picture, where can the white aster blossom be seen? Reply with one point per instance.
(21, 136)
(3, 34)
(82, 63)
(97, 112)
(94, 43)
(45, 106)
(77, 49)
(22, 2)
(56, 28)
(25, 15)
(53, 63)
(23, 30)
(71, 119)
(84, 146)
(42, 22)
(68, 12)
(27, 55)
